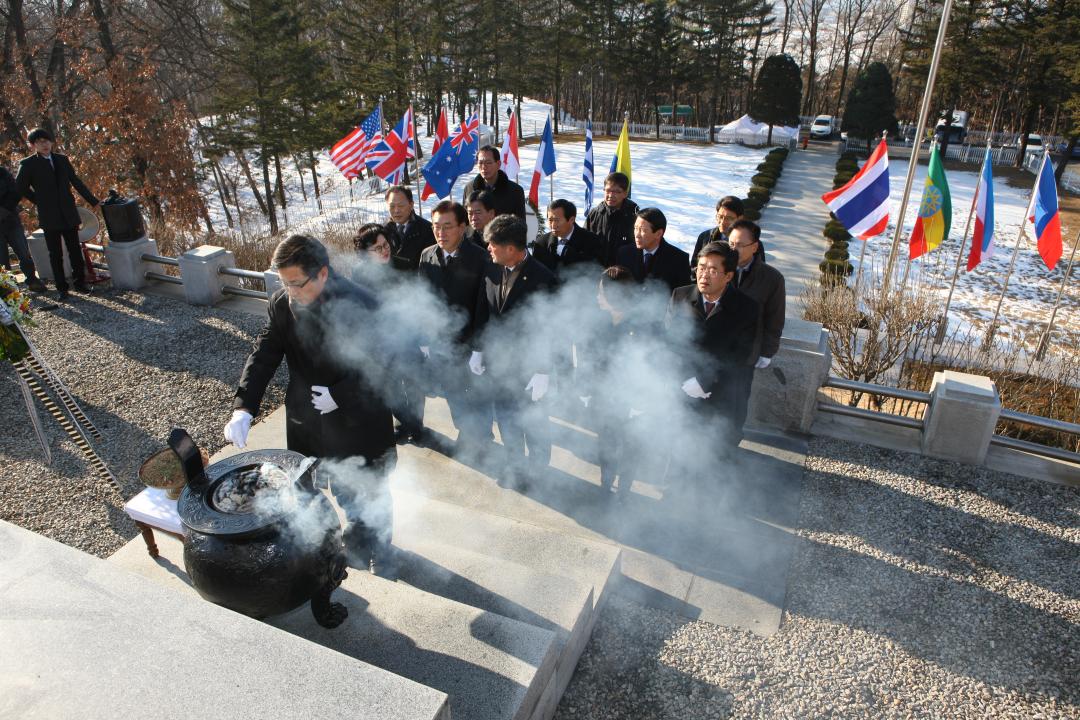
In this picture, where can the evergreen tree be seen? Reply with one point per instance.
(777, 92)
(871, 105)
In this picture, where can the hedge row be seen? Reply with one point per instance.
(836, 266)
(762, 183)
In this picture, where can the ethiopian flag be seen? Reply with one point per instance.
(935, 210)
(621, 161)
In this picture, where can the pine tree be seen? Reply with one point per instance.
(871, 105)
(777, 92)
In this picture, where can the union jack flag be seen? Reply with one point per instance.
(467, 132)
(350, 152)
(388, 158)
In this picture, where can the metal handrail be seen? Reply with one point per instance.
(241, 273)
(161, 259)
(1040, 421)
(872, 389)
(245, 292)
(1035, 448)
(94, 248)
(874, 415)
(150, 275)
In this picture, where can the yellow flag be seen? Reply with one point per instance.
(621, 161)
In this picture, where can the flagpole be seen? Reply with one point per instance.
(907, 265)
(990, 331)
(866, 241)
(920, 128)
(416, 161)
(940, 337)
(551, 177)
(1044, 341)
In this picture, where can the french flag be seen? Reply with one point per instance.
(982, 243)
(1045, 215)
(545, 163)
(862, 205)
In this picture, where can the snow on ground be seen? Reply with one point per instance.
(1032, 288)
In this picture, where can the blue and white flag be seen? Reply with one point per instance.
(587, 173)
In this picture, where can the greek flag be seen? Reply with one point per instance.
(587, 174)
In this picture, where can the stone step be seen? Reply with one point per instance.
(491, 667)
(553, 602)
(83, 638)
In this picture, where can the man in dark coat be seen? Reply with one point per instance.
(407, 232)
(520, 377)
(566, 244)
(46, 179)
(721, 323)
(12, 234)
(613, 219)
(507, 195)
(651, 257)
(322, 325)
(728, 209)
(481, 211)
(456, 269)
(764, 284)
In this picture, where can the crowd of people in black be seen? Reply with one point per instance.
(608, 325)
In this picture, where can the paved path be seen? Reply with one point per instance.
(792, 222)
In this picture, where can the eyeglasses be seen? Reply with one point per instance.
(708, 271)
(383, 248)
(296, 285)
(487, 162)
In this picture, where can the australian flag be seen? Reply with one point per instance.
(455, 157)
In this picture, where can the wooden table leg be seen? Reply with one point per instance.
(148, 537)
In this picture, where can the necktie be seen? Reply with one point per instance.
(561, 248)
(449, 259)
(504, 289)
(648, 262)
(739, 277)
(709, 307)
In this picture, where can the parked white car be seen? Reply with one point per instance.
(822, 127)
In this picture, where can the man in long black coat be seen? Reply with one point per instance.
(12, 234)
(507, 195)
(407, 232)
(613, 219)
(46, 179)
(651, 257)
(323, 326)
(567, 244)
(721, 324)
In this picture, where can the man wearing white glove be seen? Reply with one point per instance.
(517, 392)
(320, 324)
(723, 323)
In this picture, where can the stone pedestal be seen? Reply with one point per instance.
(961, 417)
(200, 270)
(785, 394)
(126, 266)
(40, 252)
(272, 282)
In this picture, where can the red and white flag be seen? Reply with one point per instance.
(545, 163)
(441, 134)
(511, 161)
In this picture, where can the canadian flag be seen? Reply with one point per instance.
(511, 161)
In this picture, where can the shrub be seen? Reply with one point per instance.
(764, 180)
(835, 269)
(835, 255)
(754, 203)
(837, 234)
(838, 245)
(779, 152)
(752, 214)
(841, 179)
(849, 155)
(760, 192)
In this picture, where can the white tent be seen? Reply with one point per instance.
(748, 132)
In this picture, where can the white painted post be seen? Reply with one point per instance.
(961, 417)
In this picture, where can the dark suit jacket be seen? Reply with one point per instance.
(725, 339)
(615, 227)
(501, 353)
(669, 264)
(461, 283)
(765, 285)
(49, 188)
(406, 249)
(509, 198)
(582, 247)
(476, 238)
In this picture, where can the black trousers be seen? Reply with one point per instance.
(70, 237)
(742, 381)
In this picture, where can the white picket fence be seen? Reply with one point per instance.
(648, 130)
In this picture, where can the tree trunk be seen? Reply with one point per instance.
(315, 178)
(271, 213)
(219, 183)
(246, 167)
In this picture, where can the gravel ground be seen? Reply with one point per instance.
(919, 589)
(138, 365)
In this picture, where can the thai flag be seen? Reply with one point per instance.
(982, 242)
(587, 172)
(545, 163)
(350, 152)
(388, 159)
(863, 204)
(1045, 214)
(510, 159)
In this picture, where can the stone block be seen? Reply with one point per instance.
(200, 270)
(961, 417)
(40, 252)
(126, 266)
(785, 394)
(84, 638)
(272, 281)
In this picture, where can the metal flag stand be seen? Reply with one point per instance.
(1044, 341)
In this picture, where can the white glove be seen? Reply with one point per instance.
(476, 362)
(236, 431)
(539, 386)
(425, 351)
(634, 413)
(585, 399)
(762, 363)
(693, 388)
(320, 398)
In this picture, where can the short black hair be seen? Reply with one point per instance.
(301, 251)
(729, 255)
(366, 236)
(449, 206)
(748, 225)
(403, 189)
(40, 133)
(484, 197)
(654, 217)
(567, 207)
(618, 178)
(507, 230)
(732, 203)
(490, 149)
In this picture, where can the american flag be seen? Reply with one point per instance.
(388, 158)
(350, 151)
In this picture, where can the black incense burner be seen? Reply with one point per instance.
(258, 537)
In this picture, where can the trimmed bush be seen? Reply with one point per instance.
(781, 152)
(837, 234)
(839, 245)
(849, 155)
(753, 203)
(765, 181)
(833, 224)
(841, 179)
(835, 268)
(756, 191)
(752, 214)
(833, 254)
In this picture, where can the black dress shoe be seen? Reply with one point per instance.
(35, 285)
(63, 296)
(82, 287)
